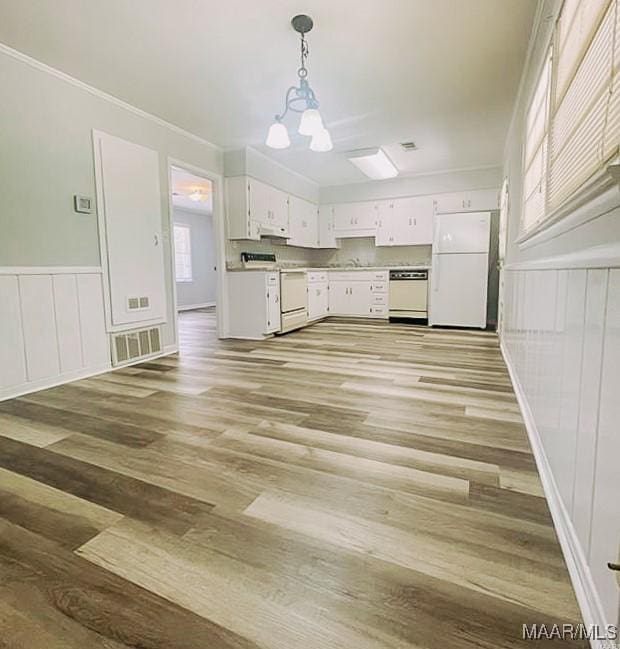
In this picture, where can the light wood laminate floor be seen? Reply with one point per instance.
(353, 485)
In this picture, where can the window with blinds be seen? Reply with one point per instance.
(582, 125)
(536, 146)
(183, 253)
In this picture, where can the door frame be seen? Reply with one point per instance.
(219, 232)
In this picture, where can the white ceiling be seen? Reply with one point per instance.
(184, 184)
(443, 73)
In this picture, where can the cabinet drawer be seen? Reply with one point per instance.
(273, 279)
(379, 298)
(317, 277)
(380, 276)
(379, 287)
(379, 311)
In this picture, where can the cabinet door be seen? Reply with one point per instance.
(259, 201)
(279, 208)
(327, 237)
(317, 300)
(366, 215)
(384, 224)
(360, 298)
(273, 302)
(344, 217)
(339, 298)
(472, 201)
(310, 225)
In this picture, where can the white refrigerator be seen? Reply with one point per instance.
(460, 268)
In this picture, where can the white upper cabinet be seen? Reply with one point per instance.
(254, 208)
(303, 223)
(405, 222)
(479, 200)
(327, 232)
(356, 219)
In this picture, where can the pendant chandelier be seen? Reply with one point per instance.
(301, 99)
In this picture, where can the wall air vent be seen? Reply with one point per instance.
(133, 345)
(138, 303)
(408, 146)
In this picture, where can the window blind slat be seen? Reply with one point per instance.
(579, 120)
(611, 136)
(578, 23)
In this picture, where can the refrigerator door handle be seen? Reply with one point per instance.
(436, 273)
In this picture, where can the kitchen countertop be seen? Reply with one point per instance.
(300, 269)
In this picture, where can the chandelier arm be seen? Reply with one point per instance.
(287, 104)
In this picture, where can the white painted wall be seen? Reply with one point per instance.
(202, 289)
(47, 157)
(424, 184)
(561, 337)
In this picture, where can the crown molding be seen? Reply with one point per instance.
(43, 67)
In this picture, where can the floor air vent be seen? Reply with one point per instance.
(132, 345)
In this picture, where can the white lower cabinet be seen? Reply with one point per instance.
(318, 299)
(254, 297)
(358, 293)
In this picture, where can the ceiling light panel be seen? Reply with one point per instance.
(374, 163)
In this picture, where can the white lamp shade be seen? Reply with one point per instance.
(311, 122)
(278, 138)
(322, 141)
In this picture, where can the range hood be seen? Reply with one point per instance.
(273, 231)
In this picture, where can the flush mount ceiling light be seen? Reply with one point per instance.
(301, 99)
(374, 163)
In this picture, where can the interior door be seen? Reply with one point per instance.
(130, 212)
(459, 290)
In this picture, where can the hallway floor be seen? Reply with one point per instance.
(353, 485)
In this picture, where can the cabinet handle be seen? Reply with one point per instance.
(155, 240)
(277, 299)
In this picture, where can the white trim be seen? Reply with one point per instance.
(578, 570)
(189, 307)
(58, 379)
(603, 256)
(170, 349)
(24, 58)
(50, 270)
(597, 197)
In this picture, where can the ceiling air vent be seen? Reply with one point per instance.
(408, 146)
(133, 345)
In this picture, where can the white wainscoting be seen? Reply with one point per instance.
(52, 327)
(561, 341)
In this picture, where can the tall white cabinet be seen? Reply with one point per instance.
(130, 221)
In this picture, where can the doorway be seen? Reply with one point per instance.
(195, 267)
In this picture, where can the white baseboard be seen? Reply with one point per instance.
(51, 382)
(190, 307)
(578, 569)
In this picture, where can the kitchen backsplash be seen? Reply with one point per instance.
(355, 251)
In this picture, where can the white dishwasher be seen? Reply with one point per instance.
(408, 294)
(293, 299)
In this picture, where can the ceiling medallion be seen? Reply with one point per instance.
(301, 99)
